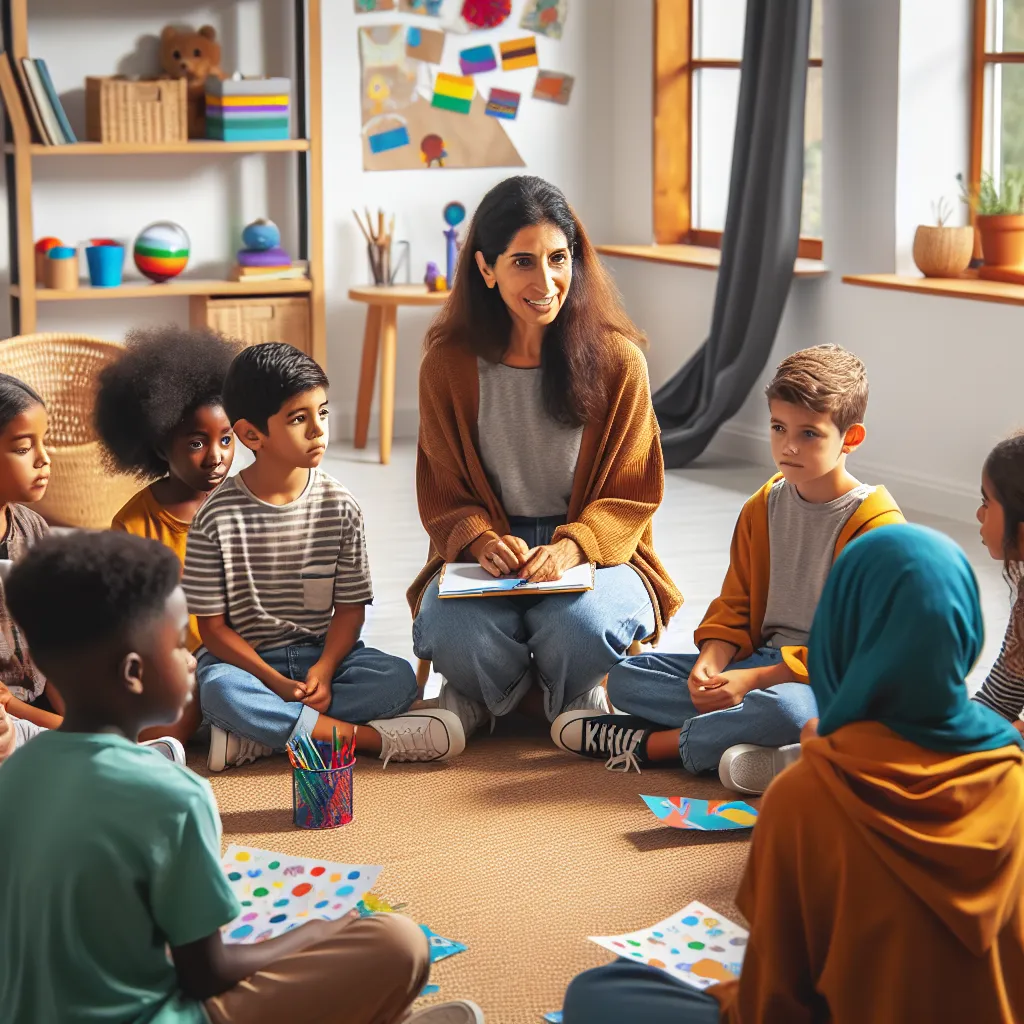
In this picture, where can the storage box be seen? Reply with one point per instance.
(257, 319)
(120, 110)
(247, 109)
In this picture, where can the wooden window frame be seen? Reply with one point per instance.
(674, 66)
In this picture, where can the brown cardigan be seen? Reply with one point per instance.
(618, 485)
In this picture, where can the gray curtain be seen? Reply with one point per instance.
(762, 231)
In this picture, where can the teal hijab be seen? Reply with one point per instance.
(897, 629)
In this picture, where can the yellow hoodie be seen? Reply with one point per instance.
(885, 886)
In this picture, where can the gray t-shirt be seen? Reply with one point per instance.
(277, 571)
(529, 458)
(802, 539)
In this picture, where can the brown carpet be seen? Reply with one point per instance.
(515, 849)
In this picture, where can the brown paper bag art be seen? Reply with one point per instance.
(553, 86)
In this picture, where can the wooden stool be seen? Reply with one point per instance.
(381, 335)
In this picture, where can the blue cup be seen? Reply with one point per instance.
(106, 265)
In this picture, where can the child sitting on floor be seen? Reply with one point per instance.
(893, 851)
(1001, 515)
(276, 572)
(118, 850)
(745, 695)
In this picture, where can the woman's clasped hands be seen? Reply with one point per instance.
(508, 555)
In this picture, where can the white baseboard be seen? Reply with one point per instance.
(913, 491)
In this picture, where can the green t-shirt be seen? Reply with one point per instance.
(109, 853)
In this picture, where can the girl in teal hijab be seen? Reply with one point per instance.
(896, 631)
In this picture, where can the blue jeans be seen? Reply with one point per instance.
(489, 648)
(653, 686)
(366, 685)
(624, 991)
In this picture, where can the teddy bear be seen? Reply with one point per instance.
(193, 56)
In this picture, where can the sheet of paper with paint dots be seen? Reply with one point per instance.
(279, 892)
(696, 946)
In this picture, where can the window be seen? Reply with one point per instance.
(997, 94)
(698, 50)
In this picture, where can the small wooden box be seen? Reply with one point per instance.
(256, 320)
(120, 110)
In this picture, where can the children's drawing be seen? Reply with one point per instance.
(502, 103)
(431, 8)
(545, 16)
(696, 946)
(518, 53)
(371, 6)
(701, 815)
(454, 92)
(279, 892)
(425, 44)
(477, 59)
(553, 86)
(441, 948)
(485, 13)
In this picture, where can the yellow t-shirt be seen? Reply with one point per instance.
(144, 516)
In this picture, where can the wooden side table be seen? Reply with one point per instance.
(381, 335)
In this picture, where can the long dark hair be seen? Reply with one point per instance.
(15, 397)
(575, 356)
(1004, 468)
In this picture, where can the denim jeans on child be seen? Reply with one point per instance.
(486, 647)
(368, 684)
(654, 686)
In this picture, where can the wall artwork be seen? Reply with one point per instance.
(518, 53)
(424, 44)
(553, 86)
(372, 6)
(546, 17)
(485, 13)
(431, 8)
(412, 122)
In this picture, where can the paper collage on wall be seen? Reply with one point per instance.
(411, 122)
(546, 17)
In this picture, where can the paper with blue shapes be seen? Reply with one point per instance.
(554, 1017)
(441, 948)
(701, 815)
(279, 892)
(696, 946)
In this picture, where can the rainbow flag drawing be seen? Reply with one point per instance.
(477, 59)
(518, 53)
(455, 93)
(502, 103)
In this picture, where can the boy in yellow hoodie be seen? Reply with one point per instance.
(740, 703)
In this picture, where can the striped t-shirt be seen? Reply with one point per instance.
(277, 571)
(1003, 690)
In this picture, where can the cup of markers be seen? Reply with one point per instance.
(321, 781)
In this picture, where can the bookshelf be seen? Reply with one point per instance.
(20, 152)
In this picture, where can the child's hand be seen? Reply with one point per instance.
(725, 690)
(1019, 726)
(5, 696)
(318, 688)
(810, 730)
(7, 734)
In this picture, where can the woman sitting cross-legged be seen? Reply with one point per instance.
(538, 451)
(886, 875)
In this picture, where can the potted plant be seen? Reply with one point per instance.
(941, 251)
(999, 216)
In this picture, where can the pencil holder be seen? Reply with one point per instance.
(322, 799)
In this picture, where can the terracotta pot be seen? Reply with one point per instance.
(943, 252)
(1002, 239)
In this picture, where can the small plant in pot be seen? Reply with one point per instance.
(999, 216)
(941, 251)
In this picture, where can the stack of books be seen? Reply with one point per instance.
(282, 272)
(42, 102)
(247, 109)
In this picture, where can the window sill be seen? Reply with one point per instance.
(700, 256)
(966, 287)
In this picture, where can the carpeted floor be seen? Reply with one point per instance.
(515, 849)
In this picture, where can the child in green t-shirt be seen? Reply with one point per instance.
(117, 850)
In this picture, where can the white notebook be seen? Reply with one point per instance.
(469, 579)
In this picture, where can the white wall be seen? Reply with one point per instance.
(79, 198)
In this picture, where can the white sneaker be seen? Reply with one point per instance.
(746, 768)
(228, 749)
(471, 713)
(168, 746)
(461, 1011)
(593, 700)
(420, 736)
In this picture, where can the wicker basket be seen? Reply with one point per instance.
(255, 320)
(64, 369)
(119, 110)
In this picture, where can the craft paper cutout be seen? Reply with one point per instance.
(485, 13)
(502, 103)
(553, 86)
(428, 7)
(545, 16)
(696, 946)
(477, 59)
(370, 6)
(398, 91)
(701, 815)
(279, 892)
(441, 948)
(554, 1017)
(518, 53)
(429, 990)
(392, 138)
(425, 44)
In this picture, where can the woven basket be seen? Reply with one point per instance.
(64, 369)
(255, 320)
(119, 110)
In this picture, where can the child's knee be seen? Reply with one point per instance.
(402, 948)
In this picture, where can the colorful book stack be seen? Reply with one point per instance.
(263, 258)
(247, 109)
(42, 103)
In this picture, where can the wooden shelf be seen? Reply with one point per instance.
(203, 147)
(700, 256)
(966, 287)
(186, 286)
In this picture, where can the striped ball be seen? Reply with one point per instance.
(161, 250)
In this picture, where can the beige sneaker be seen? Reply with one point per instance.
(420, 736)
(471, 713)
(228, 749)
(460, 1011)
(746, 768)
(593, 700)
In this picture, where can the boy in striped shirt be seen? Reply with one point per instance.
(276, 573)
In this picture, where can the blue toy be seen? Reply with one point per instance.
(454, 214)
(260, 235)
